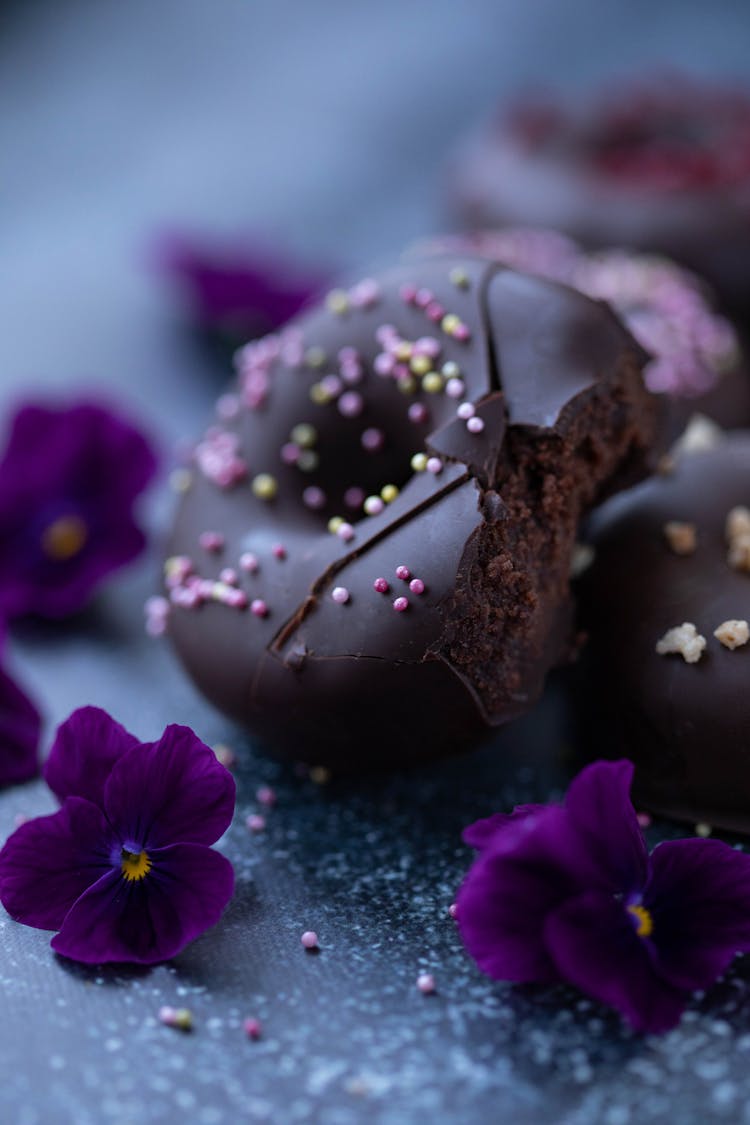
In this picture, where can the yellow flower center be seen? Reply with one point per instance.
(645, 922)
(134, 865)
(64, 538)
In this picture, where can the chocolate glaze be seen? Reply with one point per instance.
(685, 725)
(560, 413)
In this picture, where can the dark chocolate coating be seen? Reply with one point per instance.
(560, 172)
(686, 726)
(556, 381)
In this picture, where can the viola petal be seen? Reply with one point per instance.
(85, 749)
(531, 868)
(49, 862)
(81, 462)
(699, 899)
(19, 733)
(595, 947)
(482, 833)
(599, 803)
(151, 919)
(171, 791)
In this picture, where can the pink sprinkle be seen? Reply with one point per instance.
(228, 575)
(373, 440)
(290, 453)
(19, 819)
(454, 388)
(211, 540)
(434, 465)
(331, 384)
(259, 608)
(227, 406)
(416, 586)
(643, 819)
(252, 1028)
(346, 532)
(237, 599)
(461, 332)
(309, 939)
(381, 586)
(351, 372)
(279, 551)
(422, 298)
(266, 796)
(427, 345)
(340, 595)
(348, 355)
(354, 497)
(351, 404)
(385, 333)
(475, 425)
(314, 497)
(249, 563)
(426, 983)
(408, 294)
(365, 293)
(168, 1015)
(403, 573)
(373, 506)
(453, 910)
(401, 604)
(255, 822)
(384, 364)
(465, 410)
(435, 311)
(418, 412)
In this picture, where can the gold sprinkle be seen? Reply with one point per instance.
(419, 462)
(319, 395)
(703, 829)
(421, 364)
(337, 302)
(335, 523)
(304, 435)
(681, 537)
(403, 351)
(450, 323)
(459, 278)
(265, 486)
(180, 480)
(315, 356)
(320, 775)
(64, 538)
(308, 461)
(408, 385)
(432, 383)
(733, 633)
(388, 493)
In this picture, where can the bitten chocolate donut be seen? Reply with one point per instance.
(661, 166)
(695, 353)
(370, 561)
(667, 605)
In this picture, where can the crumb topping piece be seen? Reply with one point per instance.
(683, 639)
(733, 634)
(737, 529)
(681, 537)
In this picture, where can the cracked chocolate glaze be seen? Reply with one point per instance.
(523, 402)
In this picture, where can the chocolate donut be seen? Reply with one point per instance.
(662, 166)
(370, 561)
(695, 353)
(666, 602)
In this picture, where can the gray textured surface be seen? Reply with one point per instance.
(324, 124)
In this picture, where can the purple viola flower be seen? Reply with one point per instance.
(68, 483)
(244, 292)
(19, 732)
(570, 893)
(123, 870)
